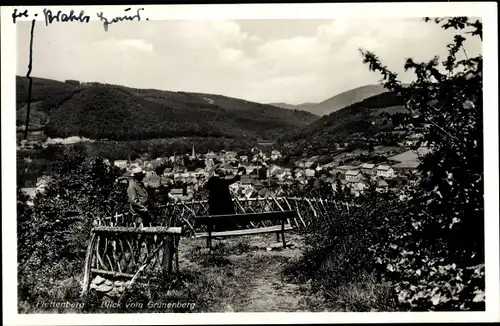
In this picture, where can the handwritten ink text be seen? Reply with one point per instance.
(16, 15)
(62, 17)
(107, 22)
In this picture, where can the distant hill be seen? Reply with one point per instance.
(362, 122)
(345, 99)
(95, 110)
(304, 106)
(337, 102)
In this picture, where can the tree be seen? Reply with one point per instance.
(446, 212)
(53, 235)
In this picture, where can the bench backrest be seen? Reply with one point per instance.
(245, 218)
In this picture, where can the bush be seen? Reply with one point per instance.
(429, 246)
(53, 234)
(338, 258)
(437, 258)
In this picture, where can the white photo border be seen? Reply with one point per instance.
(486, 10)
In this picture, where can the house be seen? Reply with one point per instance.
(230, 156)
(210, 155)
(308, 164)
(156, 164)
(342, 169)
(385, 171)
(274, 170)
(275, 155)
(353, 175)
(368, 169)
(310, 173)
(382, 186)
(299, 173)
(122, 164)
(246, 182)
(29, 191)
(209, 162)
(154, 181)
(176, 192)
(257, 184)
(249, 168)
(36, 136)
(357, 188)
(165, 181)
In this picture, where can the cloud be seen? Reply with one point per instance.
(263, 61)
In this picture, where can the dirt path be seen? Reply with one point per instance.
(251, 271)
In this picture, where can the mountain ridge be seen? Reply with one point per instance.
(338, 101)
(97, 110)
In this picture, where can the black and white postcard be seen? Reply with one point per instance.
(313, 162)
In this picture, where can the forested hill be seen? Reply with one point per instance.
(362, 121)
(338, 101)
(97, 111)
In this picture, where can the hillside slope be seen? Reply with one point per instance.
(97, 110)
(362, 122)
(304, 106)
(338, 101)
(347, 98)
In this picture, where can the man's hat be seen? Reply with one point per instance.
(137, 170)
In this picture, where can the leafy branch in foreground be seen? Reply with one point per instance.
(447, 206)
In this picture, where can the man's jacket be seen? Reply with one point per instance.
(219, 198)
(138, 196)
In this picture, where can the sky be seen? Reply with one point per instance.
(291, 61)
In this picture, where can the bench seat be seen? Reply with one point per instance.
(224, 234)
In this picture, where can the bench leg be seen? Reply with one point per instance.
(177, 240)
(277, 237)
(209, 239)
(283, 233)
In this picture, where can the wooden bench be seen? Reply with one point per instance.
(211, 221)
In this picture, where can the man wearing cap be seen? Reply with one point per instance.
(138, 197)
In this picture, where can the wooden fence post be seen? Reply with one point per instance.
(168, 253)
(88, 262)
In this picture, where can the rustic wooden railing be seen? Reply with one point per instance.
(184, 212)
(126, 251)
(119, 248)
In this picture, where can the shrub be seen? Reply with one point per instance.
(53, 234)
(429, 246)
(437, 258)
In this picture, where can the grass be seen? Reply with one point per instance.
(363, 294)
(240, 274)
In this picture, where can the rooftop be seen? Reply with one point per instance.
(407, 165)
(176, 191)
(410, 155)
(347, 167)
(382, 183)
(383, 167)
